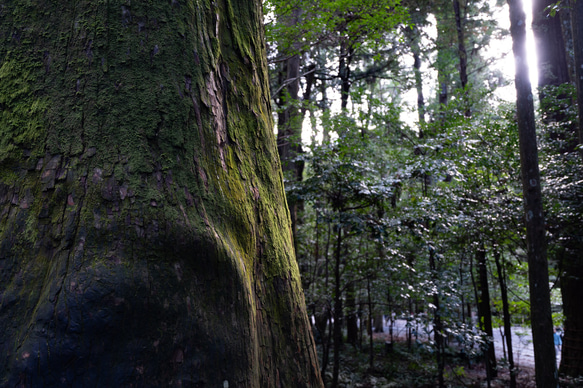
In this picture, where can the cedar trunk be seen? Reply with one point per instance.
(145, 236)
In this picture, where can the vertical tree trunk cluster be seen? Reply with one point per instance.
(553, 65)
(542, 325)
(145, 236)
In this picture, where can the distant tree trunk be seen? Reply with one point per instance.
(370, 315)
(351, 317)
(485, 312)
(338, 308)
(327, 341)
(540, 304)
(378, 323)
(414, 36)
(145, 239)
(463, 56)
(437, 323)
(444, 48)
(289, 117)
(500, 267)
(346, 53)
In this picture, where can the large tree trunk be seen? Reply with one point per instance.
(538, 276)
(145, 236)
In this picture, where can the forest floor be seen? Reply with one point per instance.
(398, 366)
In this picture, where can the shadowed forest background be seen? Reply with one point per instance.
(401, 140)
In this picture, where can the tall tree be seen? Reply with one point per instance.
(540, 305)
(145, 236)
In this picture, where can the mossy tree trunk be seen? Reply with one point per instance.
(145, 239)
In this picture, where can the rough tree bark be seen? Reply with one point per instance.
(538, 275)
(145, 239)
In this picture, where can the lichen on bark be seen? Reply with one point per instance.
(145, 238)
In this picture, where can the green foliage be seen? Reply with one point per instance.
(357, 21)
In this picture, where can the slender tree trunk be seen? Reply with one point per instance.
(540, 304)
(485, 311)
(338, 309)
(462, 53)
(145, 235)
(437, 323)
(443, 72)
(327, 342)
(346, 52)
(572, 293)
(506, 316)
(290, 117)
(463, 56)
(414, 37)
(370, 315)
